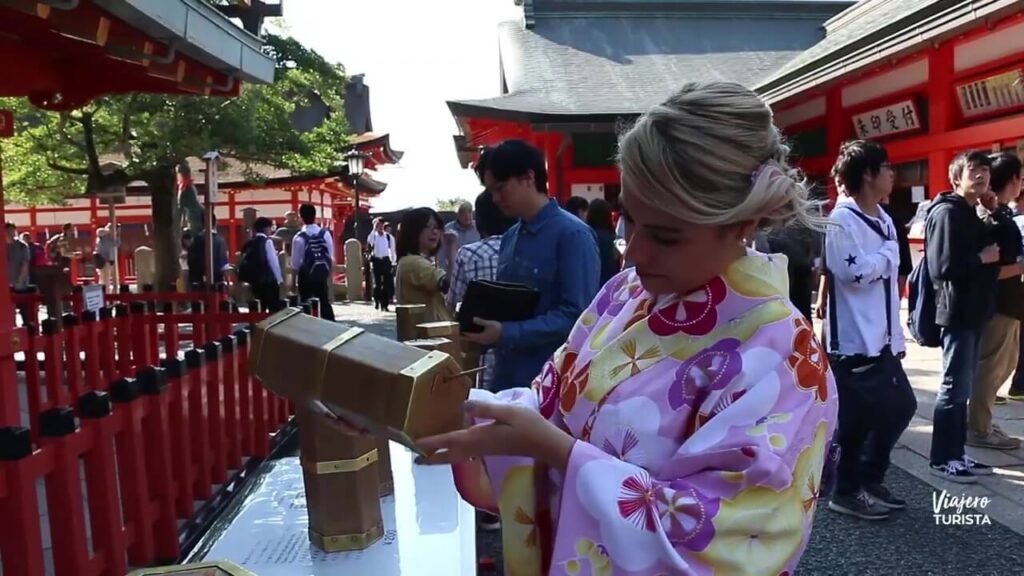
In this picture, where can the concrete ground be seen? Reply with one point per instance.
(911, 542)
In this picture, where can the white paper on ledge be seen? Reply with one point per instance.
(428, 529)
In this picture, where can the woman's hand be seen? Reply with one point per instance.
(489, 336)
(514, 431)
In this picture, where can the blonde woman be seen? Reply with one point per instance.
(683, 428)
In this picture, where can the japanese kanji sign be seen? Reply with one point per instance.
(893, 119)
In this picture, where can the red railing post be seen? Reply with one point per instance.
(123, 334)
(131, 464)
(108, 348)
(59, 433)
(182, 432)
(157, 439)
(198, 324)
(73, 355)
(215, 410)
(153, 308)
(246, 395)
(21, 542)
(91, 344)
(140, 336)
(172, 340)
(198, 410)
(232, 402)
(95, 409)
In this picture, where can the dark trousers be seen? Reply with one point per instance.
(269, 295)
(317, 290)
(383, 281)
(1017, 385)
(801, 289)
(960, 348)
(876, 404)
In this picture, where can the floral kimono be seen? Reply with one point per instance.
(702, 423)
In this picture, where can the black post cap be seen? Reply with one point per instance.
(227, 344)
(138, 307)
(15, 443)
(197, 307)
(242, 337)
(255, 306)
(95, 404)
(293, 300)
(88, 317)
(148, 288)
(194, 358)
(57, 422)
(124, 390)
(225, 306)
(125, 289)
(307, 309)
(50, 327)
(121, 310)
(106, 313)
(70, 320)
(173, 367)
(77, 289)
(213, 351)
(167, 307)
(152, 380)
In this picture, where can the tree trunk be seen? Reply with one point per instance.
(166, 232)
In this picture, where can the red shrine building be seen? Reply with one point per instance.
(926, 78)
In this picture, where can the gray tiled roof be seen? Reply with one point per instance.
(864, 19)
(623, 65)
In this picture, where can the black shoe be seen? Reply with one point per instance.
(1015, 394)
(954, 471)
(1000, 400)
(883, 496)
(861, 505)
(488, 522)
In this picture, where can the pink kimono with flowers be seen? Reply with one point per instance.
(702, 425)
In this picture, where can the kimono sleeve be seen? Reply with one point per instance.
(737, 497)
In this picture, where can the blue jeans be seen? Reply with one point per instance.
(960, 348)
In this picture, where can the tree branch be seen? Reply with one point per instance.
(67, 169)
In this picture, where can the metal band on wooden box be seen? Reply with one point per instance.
(336, 466)
(346, 542)
(331, 346)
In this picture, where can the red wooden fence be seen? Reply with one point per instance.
(113, 396)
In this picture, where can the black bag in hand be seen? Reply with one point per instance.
(498, 301)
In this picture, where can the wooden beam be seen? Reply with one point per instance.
(975, 136)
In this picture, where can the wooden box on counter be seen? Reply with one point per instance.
(392, 389)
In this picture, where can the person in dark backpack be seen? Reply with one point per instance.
(963, 263)
(865, 339)
(313, 261)
(260, 268)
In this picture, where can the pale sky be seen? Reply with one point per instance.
(416, 54)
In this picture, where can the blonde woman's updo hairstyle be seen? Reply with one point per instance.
(711, 155)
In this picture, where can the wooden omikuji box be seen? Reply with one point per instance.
(204, 569)
(398, 392)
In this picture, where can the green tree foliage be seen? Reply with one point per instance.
(450, 205)
(59, 155)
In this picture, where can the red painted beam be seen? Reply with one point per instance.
(975, 136)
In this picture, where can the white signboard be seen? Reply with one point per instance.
(588, 191)
(428, 528)
(917, 194)
(886, 121)
(92, 297)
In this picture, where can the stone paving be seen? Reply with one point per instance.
(911, 542)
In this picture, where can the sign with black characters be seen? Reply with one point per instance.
(887, 121)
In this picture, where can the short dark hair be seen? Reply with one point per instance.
(490, 220)
(965, 159)
(262, 224)
(307, 212)
(411, 226)
(66, 226)
(481, 163)
(599, 215)
(855, 159)
(1005, 167)
(516, 159)
(576, 204)
(10, 226)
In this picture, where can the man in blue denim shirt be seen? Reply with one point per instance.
(549, 250)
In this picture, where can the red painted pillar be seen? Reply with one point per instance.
(10, 340)
(941, 114)
(837, 129)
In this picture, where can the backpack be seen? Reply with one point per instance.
(252, 266)
(316, 258)
(921, 307)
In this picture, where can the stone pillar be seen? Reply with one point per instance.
(145, 267)
(353, 270)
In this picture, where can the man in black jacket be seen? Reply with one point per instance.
(963, 266)
(1000, 337)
